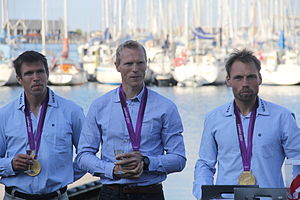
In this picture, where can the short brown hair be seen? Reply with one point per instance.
(29, 57)
(244, 56)
(130, 44)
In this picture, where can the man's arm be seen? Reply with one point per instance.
(77, 123)
(291, 140)
(205, 165)
(171, 134)
(6, 168)
(88, 147)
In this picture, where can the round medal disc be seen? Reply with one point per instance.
(35, 169)
(246, 178)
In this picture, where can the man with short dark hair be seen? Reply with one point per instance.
(139, 133)
(37, 134)
(248, 138)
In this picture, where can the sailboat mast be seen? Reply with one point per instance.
(5, 20)
(65, 52)
(186, 23)
(2, 14)
(43, 28)
(65, 19)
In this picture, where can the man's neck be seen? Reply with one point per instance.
(245, 107)
(35, 102)
(131, 92)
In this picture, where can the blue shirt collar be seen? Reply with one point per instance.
(261, 110)
(52, 100)
(117, 97)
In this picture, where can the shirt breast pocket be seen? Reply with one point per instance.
(60, 136)
(151, 132)
(265, 146)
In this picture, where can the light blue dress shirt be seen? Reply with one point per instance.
(61, 131)
(275, 137)
(105, 130)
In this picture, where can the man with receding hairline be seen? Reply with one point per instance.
(248, 138)
(138, 132)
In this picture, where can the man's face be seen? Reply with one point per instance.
(132, 67)
(33, 78)
(244, 80)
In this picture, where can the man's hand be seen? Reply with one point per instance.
(21, 162)
(130, 165)
(129, 160)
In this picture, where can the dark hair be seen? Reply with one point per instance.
(29, 57)
(130, 44)
(244, 56)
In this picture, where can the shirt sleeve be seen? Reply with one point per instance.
(205, 165)
(77, 122)
(174, 160)
(5, 163)
(291, 140)
(88, 147)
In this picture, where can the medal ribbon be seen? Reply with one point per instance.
(246, 152)
(135, 137)
(34, 142)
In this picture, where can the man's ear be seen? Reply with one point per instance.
(227, 81)
(19, 79)
(260, 79)
(117, 67)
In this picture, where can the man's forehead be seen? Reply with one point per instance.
(33, 64)
(128, 53)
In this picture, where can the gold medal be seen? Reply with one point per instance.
(35, 168)
(246, 178)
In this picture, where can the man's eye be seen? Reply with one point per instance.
(28, 74)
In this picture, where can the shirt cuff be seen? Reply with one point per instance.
(151, 166)
(8, 169)
(109, 170)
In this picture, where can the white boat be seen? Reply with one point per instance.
(89, 55)
(199, 70)
(7, 73)
(188, 75)
(161, 65)
(67, 73)
(108, 74)
(280, 68)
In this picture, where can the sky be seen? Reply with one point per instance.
(82, 14)
(88, 15)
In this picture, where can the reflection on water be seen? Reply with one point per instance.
(193, 104)
(8, 94)
(287, 96)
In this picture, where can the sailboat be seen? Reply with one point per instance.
(281, 68)
(65, 71)
(106, 72)
(89, 57)
(7, 71)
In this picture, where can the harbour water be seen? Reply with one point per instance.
(193, 104)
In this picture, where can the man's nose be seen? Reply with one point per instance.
(245, 81)
(36, 76)
(135, 67)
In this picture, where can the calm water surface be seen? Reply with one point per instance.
(193, 104)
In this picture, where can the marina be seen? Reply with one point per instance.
(187, 43)
(192, 103)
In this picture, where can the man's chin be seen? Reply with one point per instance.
(247, 98)
(37, 92)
